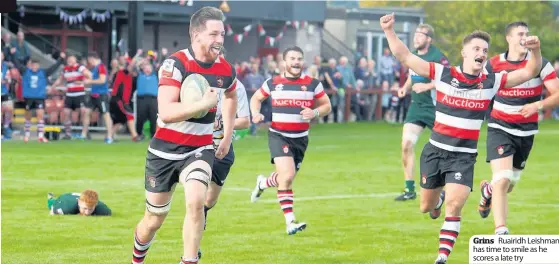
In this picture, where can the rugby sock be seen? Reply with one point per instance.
(447, 236)
(285, 198)
(27, 128)
(140, 250)
(410, 186)
(68, 127)
(501, 230)
(41, 128)
(271, 181)
(487, 191)
(189, 261)
(440, 203)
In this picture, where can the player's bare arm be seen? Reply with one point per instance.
(532, 68)
(323, 108)
(400, 50)
(550, 102)
(228, 112)
(256, 104)
(242, 123)
(170, 110)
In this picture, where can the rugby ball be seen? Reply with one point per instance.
(192, 90)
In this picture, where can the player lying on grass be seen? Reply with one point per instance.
(86, 203)
(463, 94)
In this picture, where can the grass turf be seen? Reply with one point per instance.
(344, 191)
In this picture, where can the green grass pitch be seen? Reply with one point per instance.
(344, 192)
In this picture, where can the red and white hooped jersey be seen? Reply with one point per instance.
(288, 97)
(74, 77)
(462, 102)
(176, 141)
(505, 114)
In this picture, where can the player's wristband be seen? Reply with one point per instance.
(316, 113)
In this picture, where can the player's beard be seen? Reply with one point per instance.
(213, 51)
(294, 72)
(421, 45)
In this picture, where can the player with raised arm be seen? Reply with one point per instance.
(421, 112)
(34, 88)
(510, 134)
(182, 147)
(292, 96)
(463, 97)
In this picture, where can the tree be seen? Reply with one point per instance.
(453, 20)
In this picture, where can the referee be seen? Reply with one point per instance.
(146, 99)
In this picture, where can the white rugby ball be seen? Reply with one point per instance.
(192, 90)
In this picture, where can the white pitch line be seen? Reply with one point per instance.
(338, 196)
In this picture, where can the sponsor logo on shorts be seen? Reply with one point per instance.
(285, 149)
(198, 155)
(458, 176)
(151, 181)
(523, 164)
(299, 165)
(500, 150)
(423, 178)
(219, 81)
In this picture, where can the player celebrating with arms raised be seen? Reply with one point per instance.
(463, 97)
(182, 147)
(421, 112)
(292, 96)
(510, 135)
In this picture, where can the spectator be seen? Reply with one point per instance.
(146, 99)
(333, 80)
(8, 49)
(272, 70)
(312, 71)
(386, 97)
(253, 81)
(362, 72)
(360, 104)
(22, 53)
(348, 78)
(387, 65)
(317, 61)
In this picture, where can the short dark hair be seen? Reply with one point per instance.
(477, 34)
(93, 54)
(516, 24)
(34, 60)
(294, 48)
(199, 18)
